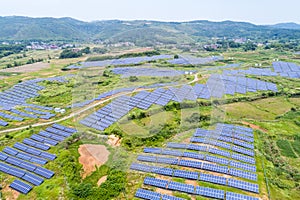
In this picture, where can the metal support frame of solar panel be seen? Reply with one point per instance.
(156, 182)
(210, 192)
(236, 196)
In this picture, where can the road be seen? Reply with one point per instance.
(76, 113)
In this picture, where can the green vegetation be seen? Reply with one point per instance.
(74, 53)
(286, 149)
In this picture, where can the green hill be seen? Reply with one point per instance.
(139, 32)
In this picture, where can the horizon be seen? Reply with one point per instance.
(255, 12)
(194, 20)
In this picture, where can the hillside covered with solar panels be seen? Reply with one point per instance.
(163, 122)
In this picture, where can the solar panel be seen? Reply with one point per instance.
(215, 159)
(243, 185)
(162, 171)
(20, 186)
(212, 179)
(210, 192)
(33, 179)
(176, 145)
(243, 158)
(44, 172)
(36, 144)
(146, 158)
(152, 150)
(186, 174)
(243, 151)
(146, 194)
(155, 182)
(166, 160)
(215, 168)
(168, 197)
(171, 152)
(140, 167)
(236, 196)
(181, 187)
(194, 155)
(190, 163)
(243, 166)
(243, 174)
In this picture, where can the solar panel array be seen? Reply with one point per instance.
(150, 195)
(158, 72)
(109, 114)
(224, 67)
(184, 60)
(120, 61)
(286, 69)
(18, 95)
(220, 85)
(210, 159)
(24, 160)
(186, 188)
(252, 71)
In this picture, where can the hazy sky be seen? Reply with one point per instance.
(255, 11)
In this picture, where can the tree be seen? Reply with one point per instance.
(69, 53)
(133, 78)
(176, 56)
(86, 50)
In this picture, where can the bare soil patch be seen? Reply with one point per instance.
(253, 126)
(102, 180)
(114, 141)
(92, 156)
(27, 68)
(13, 193)
(162, 191)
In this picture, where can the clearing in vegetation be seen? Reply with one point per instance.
(92, 155)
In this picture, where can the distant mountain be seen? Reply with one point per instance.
(140, 32)
(287, 26)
